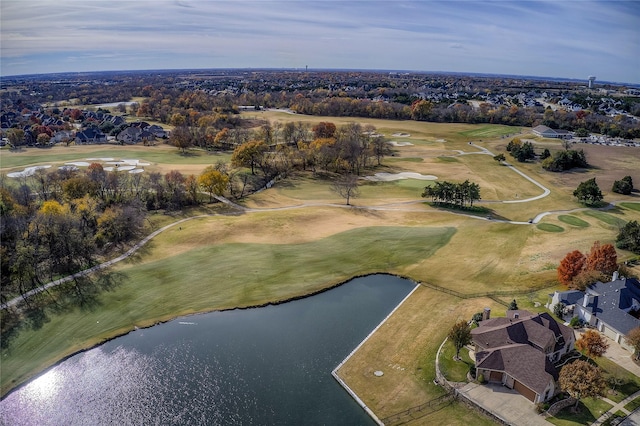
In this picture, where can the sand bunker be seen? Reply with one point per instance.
(396, 143)
(401, 135)
(387, 177)
(441, 140)
(29, 171)
(99, 159)
(78, 164)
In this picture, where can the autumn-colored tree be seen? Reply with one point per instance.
(213, 181)
(249, 154)
(221, 137)
(585, 278)
(592, 343)
(51, 208)
(181, 138)
(633, 338)
(571, 266)
(602, 258)
(460, 335)
(421, 109)
(177, 120)
(581, 380)
(324, 129)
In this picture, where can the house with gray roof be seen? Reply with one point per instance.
(519, 351)
(547, 132)
(568, 298)
(613, 308)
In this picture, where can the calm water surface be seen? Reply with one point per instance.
(263, 366)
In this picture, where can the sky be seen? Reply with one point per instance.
(557, 38)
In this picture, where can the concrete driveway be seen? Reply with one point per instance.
(504, 403)
(617, 354)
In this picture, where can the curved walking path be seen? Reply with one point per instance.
(400, 206)
(545, 190)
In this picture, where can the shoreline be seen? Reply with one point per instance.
(342, 383)
(190, 314)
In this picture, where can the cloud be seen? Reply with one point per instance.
(522, 37)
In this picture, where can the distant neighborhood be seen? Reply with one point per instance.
(87, 127)
(99, 107)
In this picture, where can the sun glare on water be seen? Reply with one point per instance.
(44, 387)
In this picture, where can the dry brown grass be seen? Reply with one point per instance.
(404, 350)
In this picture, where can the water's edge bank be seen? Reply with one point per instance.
(119, 333)
(335, 374)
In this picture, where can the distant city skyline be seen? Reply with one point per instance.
(561, 39)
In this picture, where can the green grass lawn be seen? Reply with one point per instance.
(573, 221)
(607, 218)
(216, 277)
(631, 382)
(455, 371)
(154, 154)
(549, 227)
(631, 206)
(633, 404)
(490, 131)
(589, 409)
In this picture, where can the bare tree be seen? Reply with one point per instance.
(346, 186)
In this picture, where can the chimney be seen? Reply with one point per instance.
(615, 276)
(486, 314)
(585, 301)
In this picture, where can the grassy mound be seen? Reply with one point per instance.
(549, 227)
(573, 221)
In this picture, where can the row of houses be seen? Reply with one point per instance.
(523, 351)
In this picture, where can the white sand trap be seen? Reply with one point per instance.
(143, 164)
(441, 140)
(29, 171)
(69, 167)
(396, 143)
(126, 168)
(99, 159)
(78, 164)
(108, 169)
(136, 171)
(387, 177)
(401, 135)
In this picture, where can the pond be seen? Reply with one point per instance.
(262, 366)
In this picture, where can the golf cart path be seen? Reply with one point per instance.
(399, 206)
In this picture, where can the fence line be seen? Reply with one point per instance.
(491, 294)
(421, 410)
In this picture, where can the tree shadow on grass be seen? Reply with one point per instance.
(82, 292)
(579, 416)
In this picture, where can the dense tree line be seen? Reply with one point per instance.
(212, 101)
(58, 223)
(457, 194)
